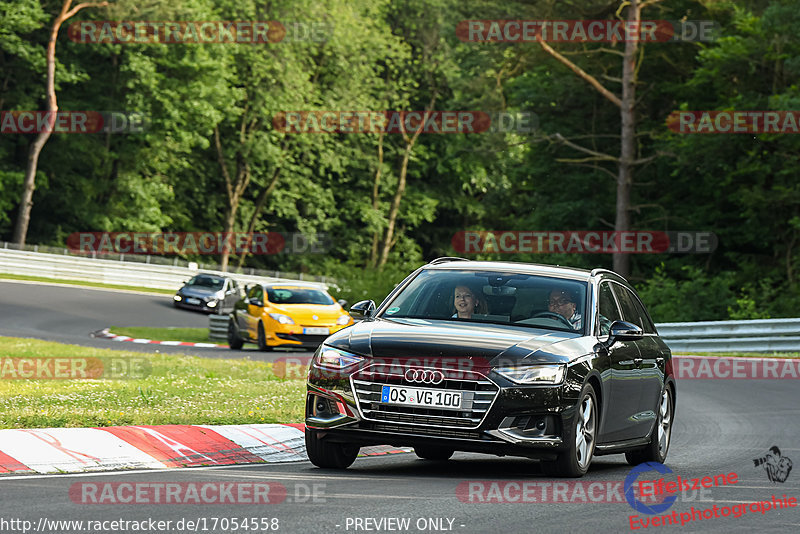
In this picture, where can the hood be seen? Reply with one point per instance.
(492, 345)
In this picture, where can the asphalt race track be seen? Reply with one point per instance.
(71, 314)
(721, 426)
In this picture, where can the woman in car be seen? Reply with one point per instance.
(467, 302)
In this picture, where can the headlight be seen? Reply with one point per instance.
(534, 374)
(344, 319)
(211, 304)
(337, 359)
(178, 298)
(281, 318)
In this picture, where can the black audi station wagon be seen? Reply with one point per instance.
(551, 363)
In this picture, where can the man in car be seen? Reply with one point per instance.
(564, 303)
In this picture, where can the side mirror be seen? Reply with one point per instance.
(343, 303)
(362, 309)
(623, 331)
(256, 302)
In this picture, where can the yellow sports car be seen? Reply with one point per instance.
(285, 315)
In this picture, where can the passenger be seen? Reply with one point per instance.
(467, 302)
(564, 303)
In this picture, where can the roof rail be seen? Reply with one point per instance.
(446, 259)
(609, 271)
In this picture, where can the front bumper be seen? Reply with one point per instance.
(203, 305)
(291, 335)
(520, 420)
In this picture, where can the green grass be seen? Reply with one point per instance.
(741, 354)
(170, 333)
(176, 389)
(6, 276)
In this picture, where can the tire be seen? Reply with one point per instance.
(432, 452)
(574, 462)
(329, 455)
(235, 342)
(657, 449)
(261, 341)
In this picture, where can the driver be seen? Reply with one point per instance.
(563, 302)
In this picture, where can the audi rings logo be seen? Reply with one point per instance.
(424, 376)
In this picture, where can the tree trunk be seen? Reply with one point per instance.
(234, 190)
(376, 235)
(260, 202)
(29, 184)
(395, 208)
(389, 240)
(627, 156)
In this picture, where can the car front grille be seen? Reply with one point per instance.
(425, 431)
(477, 391)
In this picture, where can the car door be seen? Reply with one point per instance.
(643, 416)
(624, 387)
(231, 294)
(255, 304)
(651, 349)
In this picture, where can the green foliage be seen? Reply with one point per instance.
(396, 55)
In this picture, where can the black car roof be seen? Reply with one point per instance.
(557, 271)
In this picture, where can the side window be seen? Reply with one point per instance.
(647, 326)
(256, 293)
(608, 311)
(630, 311)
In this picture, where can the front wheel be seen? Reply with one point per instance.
(656, 450)
(574, 462)
(329, 455)
(261, 339)
(234, 341)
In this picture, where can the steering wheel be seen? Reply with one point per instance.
(553, 315)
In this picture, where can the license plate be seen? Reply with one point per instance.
(193, 301)
(316, 331)
(435, 398)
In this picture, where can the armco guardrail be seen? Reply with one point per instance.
(218, 327)
(144, 275)
(760, 335)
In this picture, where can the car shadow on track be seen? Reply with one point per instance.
(469, 465)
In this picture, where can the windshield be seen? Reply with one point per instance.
(492, 297)
(286, 295)
(212, 282)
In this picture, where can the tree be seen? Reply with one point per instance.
(627, 159)
(29, 184)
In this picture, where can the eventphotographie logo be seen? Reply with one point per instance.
(776, 466)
